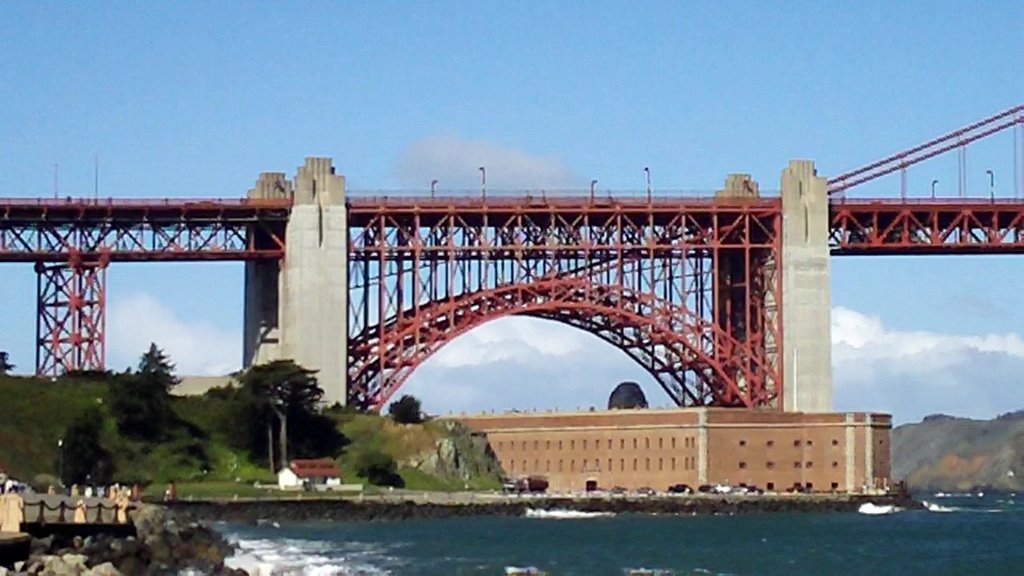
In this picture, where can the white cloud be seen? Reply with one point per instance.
(454, 161)
(198, 349)
(915, 373)
(513, 339)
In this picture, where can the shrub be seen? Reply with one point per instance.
(406, 410)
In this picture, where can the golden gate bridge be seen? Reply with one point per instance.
(693, 289)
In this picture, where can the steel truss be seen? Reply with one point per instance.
(689, 289)
(37, 230)
(72, 242)
(70, 316)
(927, 227)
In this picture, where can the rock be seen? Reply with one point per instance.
(41, 546)
(105, 569)
(4, 571)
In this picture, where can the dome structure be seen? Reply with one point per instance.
(627, 395)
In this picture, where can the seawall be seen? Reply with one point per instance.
(391, 509)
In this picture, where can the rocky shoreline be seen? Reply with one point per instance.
(176, 537)
(393, 509)
(163, 545)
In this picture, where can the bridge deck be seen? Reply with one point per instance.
(189, 229)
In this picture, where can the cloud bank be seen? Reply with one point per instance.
(455, 161)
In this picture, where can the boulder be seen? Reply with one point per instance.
(105, 569)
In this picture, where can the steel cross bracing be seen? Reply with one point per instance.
(72, 241)
(689, 289)
(968, 226)
(45, 230)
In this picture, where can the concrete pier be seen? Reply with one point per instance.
(297, 309)
(807, 289)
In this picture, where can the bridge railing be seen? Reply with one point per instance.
(510, 198)
(70, 202)
(925, 202)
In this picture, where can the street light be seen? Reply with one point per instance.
(934, 182)
(433, 187)
(483, 181)
(60, 460)
(991, 184)
(593, 184)
(647, 171)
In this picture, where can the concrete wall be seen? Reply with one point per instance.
(299, 312)
(262, 328)
(807, 301)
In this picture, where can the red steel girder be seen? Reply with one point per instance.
(888, 227)
(413, 259)
(71, 316)
(50, 230)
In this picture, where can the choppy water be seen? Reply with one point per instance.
(979, 536)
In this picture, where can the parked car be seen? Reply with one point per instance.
(680, 489)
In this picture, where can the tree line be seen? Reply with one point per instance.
(275, 410)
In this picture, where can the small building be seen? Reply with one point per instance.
(315, 474)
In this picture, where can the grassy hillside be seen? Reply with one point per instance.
(34, 413)
(33, 416)
(947, 453)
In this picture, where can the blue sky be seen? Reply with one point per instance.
(195, 99)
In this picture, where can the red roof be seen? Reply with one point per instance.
(321, 468)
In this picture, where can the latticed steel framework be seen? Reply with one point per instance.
(927, 227)
(73, 241)
(70, 317)
(689, 289)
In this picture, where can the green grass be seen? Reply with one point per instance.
(34, 413)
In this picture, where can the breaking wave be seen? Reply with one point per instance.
(293, 557)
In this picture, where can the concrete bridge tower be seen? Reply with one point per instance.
(297, 308)
(806, 289)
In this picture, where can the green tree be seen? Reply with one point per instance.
(5, 363)
(406, 410)
(288, 395)
(156, 370)
(84, 460)
(141, 402)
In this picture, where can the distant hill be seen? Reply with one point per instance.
(951, 454)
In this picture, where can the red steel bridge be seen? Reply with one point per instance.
(690, 288)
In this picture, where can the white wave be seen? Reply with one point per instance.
(873, 509)
(293, 557)
(933, 507)
(565, 514)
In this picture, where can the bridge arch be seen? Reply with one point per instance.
(694, 360)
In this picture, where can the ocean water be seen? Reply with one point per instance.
(962, 534)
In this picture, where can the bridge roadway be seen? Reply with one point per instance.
(185, 229)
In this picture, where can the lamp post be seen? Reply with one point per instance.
(934, 182)
(647, 172)
(991, 184)
(593, 185)
(433, 187)
(483, 181)
(60, 460)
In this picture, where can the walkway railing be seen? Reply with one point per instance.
(15, 511)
